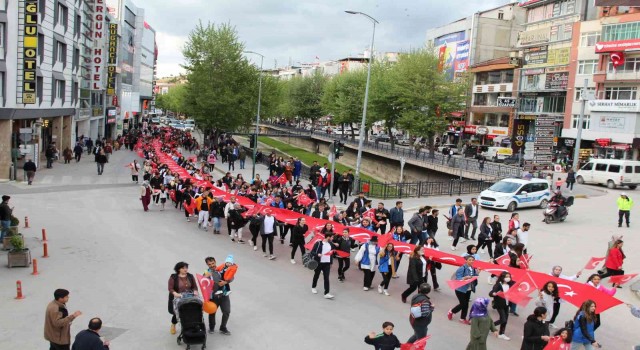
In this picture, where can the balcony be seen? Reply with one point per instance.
(493, 88)
(621, 75)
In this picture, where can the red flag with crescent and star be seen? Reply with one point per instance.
(593, 263)
(206, 286)
(622, 279)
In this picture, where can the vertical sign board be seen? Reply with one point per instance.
(99, 10)
(30, 52)
(112, 59)
(543, 144)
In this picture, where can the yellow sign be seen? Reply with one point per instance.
(112, 59)
(557, 57)
(30, 52)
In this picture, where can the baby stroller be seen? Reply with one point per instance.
(192, 327)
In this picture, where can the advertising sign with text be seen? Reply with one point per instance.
(30, 53)
(97, 70)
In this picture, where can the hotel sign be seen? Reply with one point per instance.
(98, 43)
(112, 58)
(30, 52)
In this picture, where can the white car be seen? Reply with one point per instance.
(512, 194)
(189, 125)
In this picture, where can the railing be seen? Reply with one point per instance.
(422, 188)
(456, 164)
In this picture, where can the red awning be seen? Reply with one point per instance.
(456, 114)
(620, 146)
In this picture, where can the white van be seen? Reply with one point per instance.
(610, 172)
(189, 125)
(498, 153)
(511, 194)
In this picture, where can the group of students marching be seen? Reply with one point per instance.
(162, 185)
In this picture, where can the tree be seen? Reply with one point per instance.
(221, 92)
(383, 98)
(174, 100)
(343, 97)
(305, 95)
(425, 95)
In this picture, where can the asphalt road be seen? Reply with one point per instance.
(116, 259)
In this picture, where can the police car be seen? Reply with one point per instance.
(512, 194)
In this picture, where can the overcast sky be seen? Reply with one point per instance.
(297, 31)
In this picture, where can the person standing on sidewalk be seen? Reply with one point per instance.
(571, 179)
(242, 157)
(57, 321)
(5, 216)
(321, 252)
(624, 208)
(50, 153)
(101, 159)
(77, 150)
(30, 168)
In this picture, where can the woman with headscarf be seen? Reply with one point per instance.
(481, 324)
(557, 272)
(145, 195)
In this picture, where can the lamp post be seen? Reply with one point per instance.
(255, 143)
(366, 96)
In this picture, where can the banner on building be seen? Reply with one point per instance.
(616, 2)
(30, 52)
(97, 69)
(509, 102)
(556, 81)
(453, 53)
(618, 46)
(519, 137)
(557, 57)
(536, 36)
(536, 55)
(112, 59)
(461, 62)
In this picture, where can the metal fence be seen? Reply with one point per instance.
(455, 163)
(422, 188)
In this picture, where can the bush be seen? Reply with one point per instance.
(17, 243)
(14, 221)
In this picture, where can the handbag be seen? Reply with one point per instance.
(309, 261)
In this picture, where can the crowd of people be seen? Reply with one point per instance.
(213, 202)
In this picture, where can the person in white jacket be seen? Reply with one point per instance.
(367, 260)
(547, 297)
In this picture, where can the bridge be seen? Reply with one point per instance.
(456, 166)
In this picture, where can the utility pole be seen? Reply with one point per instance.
(576, 149)
(332, 158)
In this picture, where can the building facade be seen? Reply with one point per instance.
(546, 50)
(608, 58)
(493, 101)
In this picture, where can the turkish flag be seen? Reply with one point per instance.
(503, 260)
(206, 286)
(524, 261)
(190, 208)
(342, 254)
(370, 214)
(512, 295)
(524, 284)
(622, 279)
(172, 195)
(304, 200)
(419, 344)
(455, 284)
(333, 212)
(384, 239)
(282, 180)
(593, 263)
(251, 212)
(576, 293)
(360, 234)
(445, 258)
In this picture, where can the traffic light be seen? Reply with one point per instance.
(337, 148)
(252, 141)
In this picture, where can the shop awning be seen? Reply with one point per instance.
(620, 146)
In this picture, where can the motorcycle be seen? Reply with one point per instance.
(557, 209)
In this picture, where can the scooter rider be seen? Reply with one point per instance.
(559, 200)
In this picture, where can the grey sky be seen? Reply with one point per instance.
(298, 31)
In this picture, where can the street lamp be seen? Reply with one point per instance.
(255, 143)
(366, 95)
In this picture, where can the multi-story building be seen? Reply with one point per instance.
(493, 101)
(39, 77)
(607, 57)
(481, 37)
(546, 51)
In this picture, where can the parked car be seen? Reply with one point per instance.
(383, 138)
(189, 125)
(155, 121)
(497, 154)
(402, 142)
(610, 172)
(512, 194)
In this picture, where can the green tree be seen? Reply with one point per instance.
(174, 100)
(343, 97)
(221, 92)
(304, 96)
(383, 97)
(424, 95)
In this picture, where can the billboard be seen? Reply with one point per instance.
(30, 52)
(97, 33)
(453, 53)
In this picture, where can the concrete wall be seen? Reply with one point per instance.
(381, 168)
(5, 149)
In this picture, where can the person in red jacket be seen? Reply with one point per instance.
(614, 261)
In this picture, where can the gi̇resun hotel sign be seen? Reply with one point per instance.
(29, 51)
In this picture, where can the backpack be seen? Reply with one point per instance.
(421, 310)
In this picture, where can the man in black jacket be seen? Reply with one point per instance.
(50, 153)
(5, 215)
(471, 211)
(30, 168)
(89, 339)
(396, 215)
(77, 150)
(343, 243)
(382, 217)
(343, 185)
(321, 212)
(432, 223)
